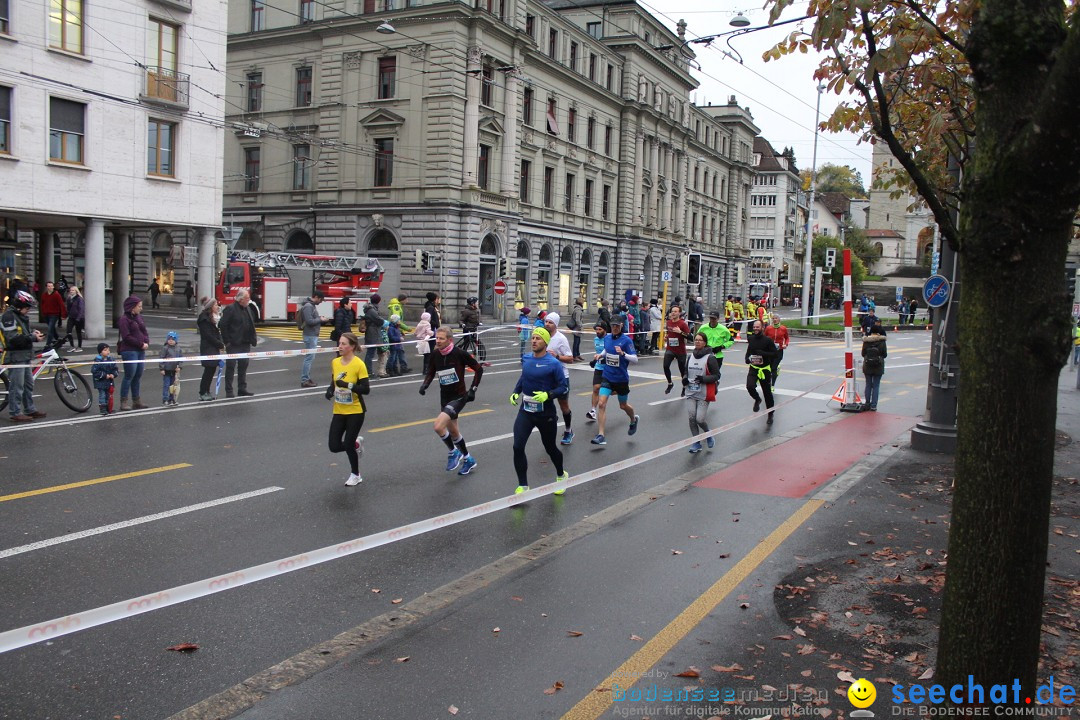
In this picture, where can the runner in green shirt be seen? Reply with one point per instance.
(717, 336)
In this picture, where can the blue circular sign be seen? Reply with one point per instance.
(935, 291)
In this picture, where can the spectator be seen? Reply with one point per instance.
(104, 373)
(154, 291)
(134, 340)
(189, 293)
(210, 343)
(76, 317)
(238, 333)
(170, 368)
(310, 321)
(874, 352)
(375, 326)
(53, 310)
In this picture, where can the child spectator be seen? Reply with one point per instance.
(396, 364)
(423, 333)
(104, 372)
(170, 369)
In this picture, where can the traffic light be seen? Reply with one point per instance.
(693, 269)
(418, 259)
(830, 257)
(504, 268)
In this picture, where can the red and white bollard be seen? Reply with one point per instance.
(851, 397)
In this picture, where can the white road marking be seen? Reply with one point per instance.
(131, 523)
(922, 364)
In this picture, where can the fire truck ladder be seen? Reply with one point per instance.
(290, 261)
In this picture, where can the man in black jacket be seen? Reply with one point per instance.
(760, 353)
(238, 331)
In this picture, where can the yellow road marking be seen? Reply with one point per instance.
(96, 481)
(424, 422)
(600, 699)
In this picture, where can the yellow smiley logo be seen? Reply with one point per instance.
(862, 693)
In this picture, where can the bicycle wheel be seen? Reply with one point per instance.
(73, 389)
(481, 351)
(3, 392)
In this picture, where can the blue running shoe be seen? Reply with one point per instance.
(599, 440)
(453, 459)
(709, 442)
(633, 426)
(467, 466)
(567, 437)
(695, 448)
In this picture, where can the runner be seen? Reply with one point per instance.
(616, 358)
(760, 352)
(704, 372)
(349, 384)
(675, 338)
(543, 377)
(448, 363)
(717, 336)
(601, 329)
(559, 346)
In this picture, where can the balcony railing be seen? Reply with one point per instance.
(166, 86)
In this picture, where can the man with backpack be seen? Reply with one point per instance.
(18, 342)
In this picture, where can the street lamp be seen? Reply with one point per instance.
(740, 22)
(386, 29)
(809, 244)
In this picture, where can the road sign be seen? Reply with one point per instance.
(500, 288)
(935, 262)
(665, 276)
(899, 293)
(936, 291)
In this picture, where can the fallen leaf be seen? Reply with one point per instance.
(184, 647)
(748, 678)
(574, 633)
(636, 638)
(452, 710)
(402, 659)
(913, 657)
(806, 673)
(495, 630)
(396, 601)
(782, 637)
(676, 552)
(729, 668)
(515, 597)
(800, 631)
(554, 688)
(693, 537)
(927, 674)
(690, 672)
(845, 676)
(376, 590)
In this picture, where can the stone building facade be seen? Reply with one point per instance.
(555, 136)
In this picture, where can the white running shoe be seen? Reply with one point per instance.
(354, 479)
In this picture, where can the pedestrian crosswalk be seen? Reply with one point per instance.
(284, 332)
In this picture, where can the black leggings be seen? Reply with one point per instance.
(343, 432)
(207, 378)
(668, 357)
(77, 326)
(752, 381)
(548, 425)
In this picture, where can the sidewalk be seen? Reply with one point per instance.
(856, 592)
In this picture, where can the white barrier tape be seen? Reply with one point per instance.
(58, 627)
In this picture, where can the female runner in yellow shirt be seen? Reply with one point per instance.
(349, 384)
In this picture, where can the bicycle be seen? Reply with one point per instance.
(472, 339)
(72, 388)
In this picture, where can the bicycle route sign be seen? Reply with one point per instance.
(936, 291)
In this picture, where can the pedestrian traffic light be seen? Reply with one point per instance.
(830, 257)
(693, 269)
(504, 268)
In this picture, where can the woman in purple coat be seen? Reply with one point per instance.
(132, 347)
(76, 313)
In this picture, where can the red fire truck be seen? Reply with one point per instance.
(279, 282)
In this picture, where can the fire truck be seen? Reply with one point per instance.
(280, 282)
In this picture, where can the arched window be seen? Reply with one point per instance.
(489, 247)
(647, 271)
(543, 278)
(584, 273)
(879, 249)
(161, 259)
(299, 241)
(602, 289)
(521, 275)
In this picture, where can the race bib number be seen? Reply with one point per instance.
(673, 341)
(532, 406)
(694, 386)
(612, 360)
(344, 396)
(447, 377)
(755, 360)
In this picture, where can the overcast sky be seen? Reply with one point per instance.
(781, 94)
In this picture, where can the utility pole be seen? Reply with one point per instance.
(809, 245)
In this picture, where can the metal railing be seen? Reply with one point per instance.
(166, 86)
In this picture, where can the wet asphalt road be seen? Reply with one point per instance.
(275, 443)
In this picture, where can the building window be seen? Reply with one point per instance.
(258, 15)
(568, 198)
(607, 140)
(307, 11)
(384, 162)
(526, 106)
(387, 77)
(605, 203)
(487, 85)
(549, 186)
(252, 160)
(610, 76)
(552, 122)
(301, 177)
(530, 26)
(66, 25)
(573, 56)
(523, 187)
(590, 133)
(5, 17)
(67, 128)
(593, 28)
(571, 125)
(588, 198)
(303, 86)
(592, 66)
(482, 164)
(161, 54)
(5, 120)
(254, 92)
(160, 148)
(553, 42)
